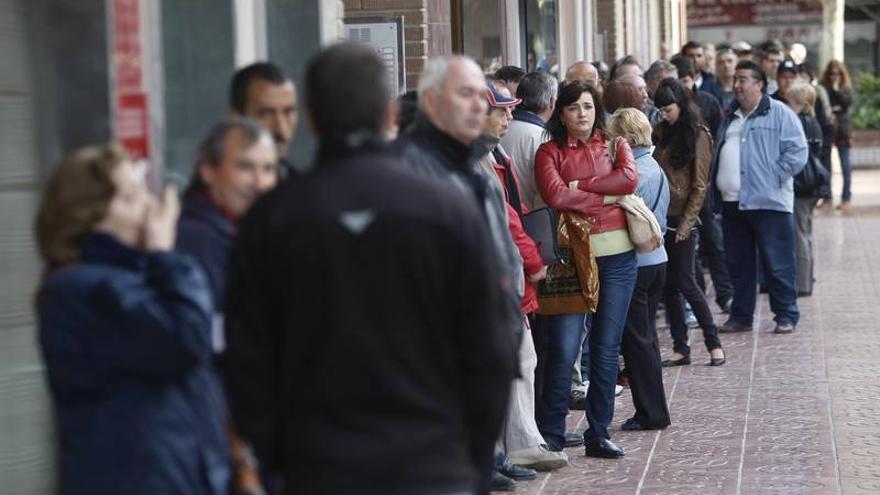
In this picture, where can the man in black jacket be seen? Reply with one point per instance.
(365, 263)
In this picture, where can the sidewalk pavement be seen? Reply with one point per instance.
(787, 414)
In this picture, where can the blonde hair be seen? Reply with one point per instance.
(803, 94)
(76, 198)
(632, 125)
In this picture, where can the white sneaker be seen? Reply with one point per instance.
(538, 458)
(618, 390)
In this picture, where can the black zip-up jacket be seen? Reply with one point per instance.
(365, 353)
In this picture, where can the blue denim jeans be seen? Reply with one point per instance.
(617, 280)
(846, 171)
(769, 236)
(557, 339)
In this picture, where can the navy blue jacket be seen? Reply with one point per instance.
(204, 233)
(126, 342)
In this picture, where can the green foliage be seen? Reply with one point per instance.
(867, 111)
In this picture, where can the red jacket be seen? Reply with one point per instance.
(590, 165)
(532, 263)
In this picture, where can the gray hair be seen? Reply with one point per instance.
(436, 70)
(659, 67)
(536, 89)
(212, 146)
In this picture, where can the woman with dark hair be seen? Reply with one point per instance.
(684, 151)
(575, 172)
(125, 334)
(836, 81)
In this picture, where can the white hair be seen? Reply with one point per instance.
(436, 70)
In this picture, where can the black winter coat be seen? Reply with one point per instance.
(365, 349)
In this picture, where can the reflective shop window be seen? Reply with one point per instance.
(541, 27)
(481, 32)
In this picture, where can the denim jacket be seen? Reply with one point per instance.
(773, 150)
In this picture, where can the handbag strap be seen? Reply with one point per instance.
(659, 190)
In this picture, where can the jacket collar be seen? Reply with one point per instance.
(763, 108)
(198, 206)
(598, 138)
(101, 248)
(453, 153)
(640, 151)
(526, 116)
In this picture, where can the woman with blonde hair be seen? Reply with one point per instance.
(641, 349)
(124, 327)
(809, 185)
(836, 81)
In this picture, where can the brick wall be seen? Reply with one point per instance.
(609, 18)
(426, 28)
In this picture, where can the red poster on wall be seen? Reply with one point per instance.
(131, 125)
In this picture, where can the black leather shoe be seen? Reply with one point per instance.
(573, 440)
(604, 448)
(734, 327)
(501, 483)
(515, 472)
(632, 425)
(667, 363)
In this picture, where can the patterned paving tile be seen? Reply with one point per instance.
(788, 414)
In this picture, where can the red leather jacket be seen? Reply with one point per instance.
(589, 164)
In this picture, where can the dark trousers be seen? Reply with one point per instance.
(711, 249)
(769, 236)
(641, 348)
(680, 280)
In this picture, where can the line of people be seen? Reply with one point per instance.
(375, 324)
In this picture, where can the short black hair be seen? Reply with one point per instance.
(690, 45)
(626, 60)
(757, 72)
(684, 66)
(241, 82)
(510, 73)
(347, 94)
(536, 90)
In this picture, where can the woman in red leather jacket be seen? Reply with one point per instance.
(574, 172)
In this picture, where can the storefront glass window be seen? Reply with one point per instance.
(481, 29)
(540, 21)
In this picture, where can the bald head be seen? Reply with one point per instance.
(582, 71)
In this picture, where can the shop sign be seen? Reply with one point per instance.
(709, 13)
(130, 102)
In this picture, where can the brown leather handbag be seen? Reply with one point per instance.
(572, 285)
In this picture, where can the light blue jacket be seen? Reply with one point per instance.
(654, 189)
(772, 151)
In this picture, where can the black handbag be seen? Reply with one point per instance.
(542, 226)
(813, 180)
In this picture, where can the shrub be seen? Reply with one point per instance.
(867, 110)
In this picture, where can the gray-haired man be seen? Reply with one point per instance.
(537, 90)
